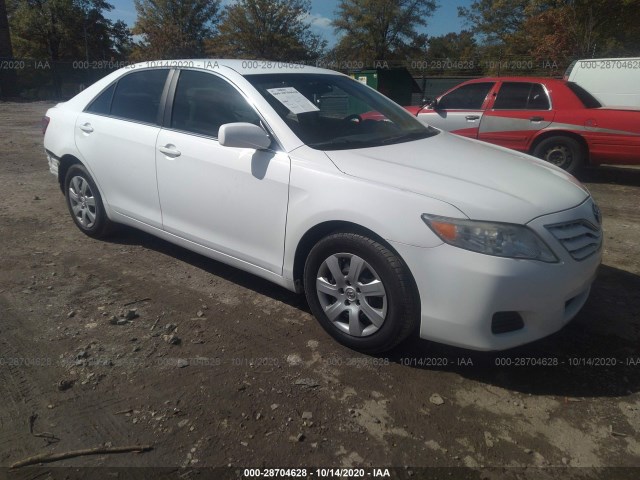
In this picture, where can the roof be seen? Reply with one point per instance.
(546, 80)
(243, 67)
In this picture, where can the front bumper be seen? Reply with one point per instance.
(460, 291)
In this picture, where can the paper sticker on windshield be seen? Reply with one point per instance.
(293, 100)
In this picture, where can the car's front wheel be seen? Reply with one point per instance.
(85, 203)
(361, 292)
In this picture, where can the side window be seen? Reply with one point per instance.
(102, 103)
(203, 102)
(521, 96)
(467, 97)
(137, 95)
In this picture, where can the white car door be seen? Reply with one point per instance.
(116, 135)
(233, 200)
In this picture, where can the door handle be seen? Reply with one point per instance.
(472, 117)
(170, 151)
(536, 119)
(86, 127)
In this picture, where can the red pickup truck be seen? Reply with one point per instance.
(555, 120)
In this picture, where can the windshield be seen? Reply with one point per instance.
(334, 112)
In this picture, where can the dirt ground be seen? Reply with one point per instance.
(219, 368)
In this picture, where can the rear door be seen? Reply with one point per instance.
(460, 110)
(116, 135)
(518, 111)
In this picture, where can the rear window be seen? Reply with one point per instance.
(102, 103)
(588, 100)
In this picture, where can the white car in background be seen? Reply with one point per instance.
(389, 226)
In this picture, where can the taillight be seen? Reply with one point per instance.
(45, 124)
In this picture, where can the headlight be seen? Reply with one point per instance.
(498, 239)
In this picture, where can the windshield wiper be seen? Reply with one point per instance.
(342, 142)
(346, 142)
(405, 137)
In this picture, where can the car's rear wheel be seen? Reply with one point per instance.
(361, 293)
(564, 152)
(85, 203)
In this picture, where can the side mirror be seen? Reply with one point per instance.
(243, 135)
(430, 103)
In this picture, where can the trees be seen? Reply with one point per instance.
(63, 29)
(8, 77)
(41, 29)
(553, 30)
(6, 50)
(121, 39)
(603, 27)
(174, 28)
(497, 20)
(58, 34)
(380, 29)
(267, 29)
(545, 37)
(453, 46)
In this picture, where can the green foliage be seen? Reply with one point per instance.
(556, 30)
(381, 29)
(267, 29)
(603, 28)
(496, 20)
(174, 28)
(8, 87)
(457, 46)
(121, 39)
(6, 49)
(65, 30)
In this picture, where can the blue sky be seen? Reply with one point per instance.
(445, 19)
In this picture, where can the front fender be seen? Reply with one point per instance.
(320, 193)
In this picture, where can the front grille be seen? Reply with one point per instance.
(580, 238)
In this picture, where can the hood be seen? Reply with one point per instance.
(484, 181)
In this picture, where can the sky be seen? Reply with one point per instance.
(444, 20)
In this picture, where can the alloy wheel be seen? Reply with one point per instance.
(351, 294)
(83, 203)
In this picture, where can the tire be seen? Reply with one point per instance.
(85, 203)
(367, 323)
(564, 152)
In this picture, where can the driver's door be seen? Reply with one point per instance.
(460, 110)
(233, 200)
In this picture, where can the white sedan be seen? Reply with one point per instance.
(389, 226)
